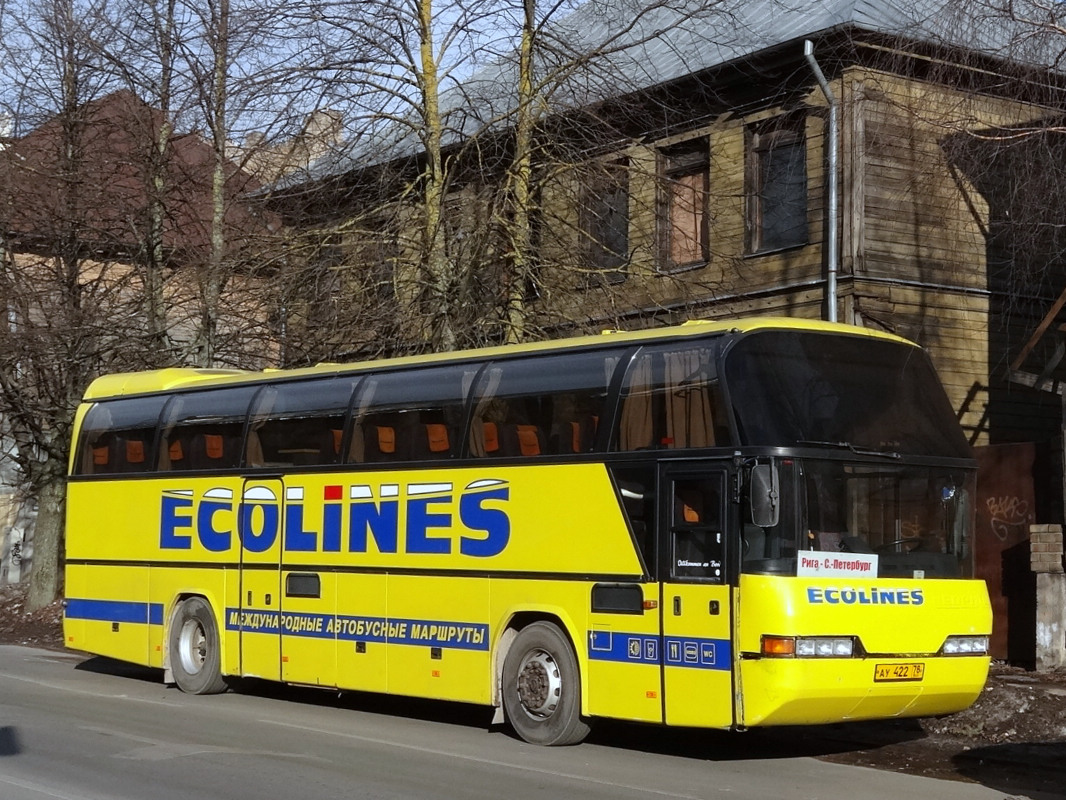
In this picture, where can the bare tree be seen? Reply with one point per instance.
(60, 306)
(462, 109)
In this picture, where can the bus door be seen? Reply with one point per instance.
(259, 523)
(696, 597)
(308, 592)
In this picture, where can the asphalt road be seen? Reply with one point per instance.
(79, 728)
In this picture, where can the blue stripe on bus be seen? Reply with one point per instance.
(672, 651)
(115, 611)
(436, 633)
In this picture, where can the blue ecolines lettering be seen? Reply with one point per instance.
(422, 519)
(865, 597)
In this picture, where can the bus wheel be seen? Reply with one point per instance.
(194, 650)
(542, 687)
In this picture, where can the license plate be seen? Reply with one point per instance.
(899, 672)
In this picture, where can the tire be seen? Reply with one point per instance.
(195, 657)
(542, 687)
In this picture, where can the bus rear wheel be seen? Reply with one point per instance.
(542, 687)
(195, 657)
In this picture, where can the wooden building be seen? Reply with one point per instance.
(699, 188)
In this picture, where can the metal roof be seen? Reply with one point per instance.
(653, 44)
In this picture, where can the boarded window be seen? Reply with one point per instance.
(684, 215)
(777, 185)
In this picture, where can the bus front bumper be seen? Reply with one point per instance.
(815, 691)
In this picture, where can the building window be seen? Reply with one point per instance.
(684, 219)
(777, 185)
(605, 223)
(377, 253)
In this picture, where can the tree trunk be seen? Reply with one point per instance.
(47, 540)
(521, 180)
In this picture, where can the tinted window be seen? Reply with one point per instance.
(792, 387)
(117, 436)
(204, 430)
(697, 538)
(415, 415)
(541, 406)
(672, 400)
(300, 423)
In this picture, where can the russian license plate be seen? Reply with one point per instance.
(899, 672)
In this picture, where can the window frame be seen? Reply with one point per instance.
(691, 158)
(762, 140)
(599, 216)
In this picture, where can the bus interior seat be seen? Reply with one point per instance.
(171, 454)
(101, 455)
(524, 440)
(385, 443)
(491, 438)
(329, 446)
(97, 458)
(210, 450)
(134, 453)
(432, 441)
(118, 453)
(577, 436)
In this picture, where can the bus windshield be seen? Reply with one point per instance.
(905, 521)
(849, 392)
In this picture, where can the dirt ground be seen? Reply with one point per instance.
(1013, 738)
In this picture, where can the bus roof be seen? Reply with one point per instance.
(174, 378)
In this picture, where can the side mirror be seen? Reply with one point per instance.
(765, 506)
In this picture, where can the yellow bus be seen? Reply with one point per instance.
(719, 524)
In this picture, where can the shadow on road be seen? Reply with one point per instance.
(101, 665)
(9, 741)
(1033, 769)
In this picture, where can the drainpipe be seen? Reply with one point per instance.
(833, 257)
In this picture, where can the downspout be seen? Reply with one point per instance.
(833, 256)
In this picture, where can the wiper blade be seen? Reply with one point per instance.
(860, 451)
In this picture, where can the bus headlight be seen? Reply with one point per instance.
(808, 646)
(965, 646)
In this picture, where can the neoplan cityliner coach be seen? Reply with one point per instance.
(761, 522)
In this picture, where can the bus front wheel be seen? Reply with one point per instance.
(542, 687)
(195, 658)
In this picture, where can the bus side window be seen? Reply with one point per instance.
(299, 423)
(117, 437)
(697, 533)
(672, 400)
(205, 430)
(636, 492)
(541, 405)
(410, 416)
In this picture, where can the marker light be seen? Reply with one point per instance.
(965, 646)
(778, 646)
(808, 646)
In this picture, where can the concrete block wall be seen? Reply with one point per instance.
(1045, 543)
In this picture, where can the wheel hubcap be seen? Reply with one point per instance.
(192, 647)
(540, 686)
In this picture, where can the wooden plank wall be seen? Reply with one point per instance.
(923, 271)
